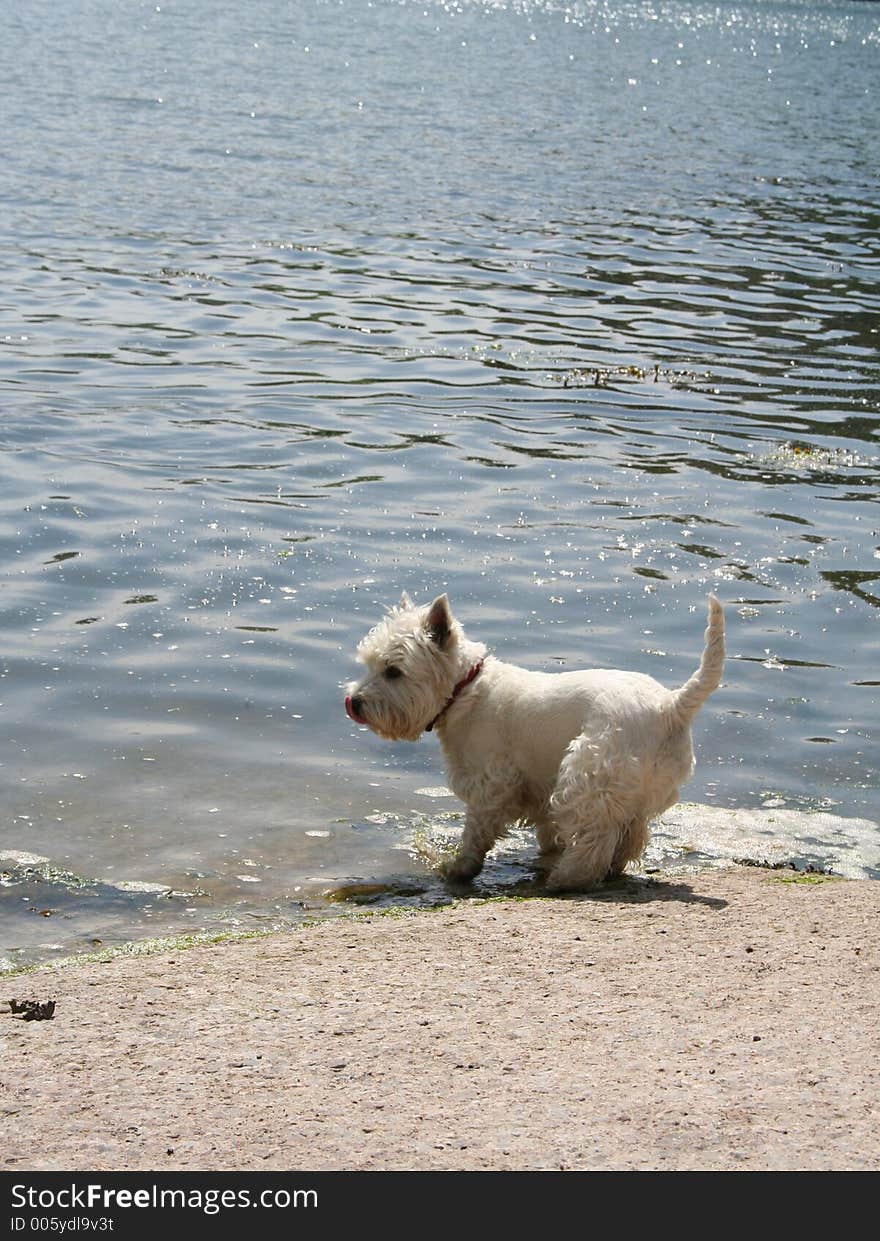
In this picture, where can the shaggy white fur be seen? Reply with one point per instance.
(588, 758)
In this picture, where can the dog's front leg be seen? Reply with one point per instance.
(480, 833)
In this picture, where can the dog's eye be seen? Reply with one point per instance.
(391, 674)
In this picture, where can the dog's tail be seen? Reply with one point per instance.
(707, 678)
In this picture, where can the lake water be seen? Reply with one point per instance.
(572, 310)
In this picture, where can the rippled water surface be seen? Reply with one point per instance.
(570, 310)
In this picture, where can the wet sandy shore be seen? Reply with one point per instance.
(726, 1019)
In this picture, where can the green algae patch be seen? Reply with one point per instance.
(808, 878)
(356, 893)
(200, 939)
(139, 948)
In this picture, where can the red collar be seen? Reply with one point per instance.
(473, 673)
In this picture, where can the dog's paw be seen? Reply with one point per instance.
(561, 881)
(462, 869)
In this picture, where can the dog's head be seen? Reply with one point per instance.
(412, 660)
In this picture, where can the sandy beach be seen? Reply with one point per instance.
(720, 1020)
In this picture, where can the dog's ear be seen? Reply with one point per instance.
(438, 621)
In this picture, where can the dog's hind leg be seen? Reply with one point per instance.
(595, 803)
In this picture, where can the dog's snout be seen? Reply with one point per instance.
(353, 705)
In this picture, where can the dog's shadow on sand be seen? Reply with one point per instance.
(628, 890)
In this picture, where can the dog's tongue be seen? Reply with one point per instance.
(350, 713)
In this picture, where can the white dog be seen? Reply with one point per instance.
(588, 758)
